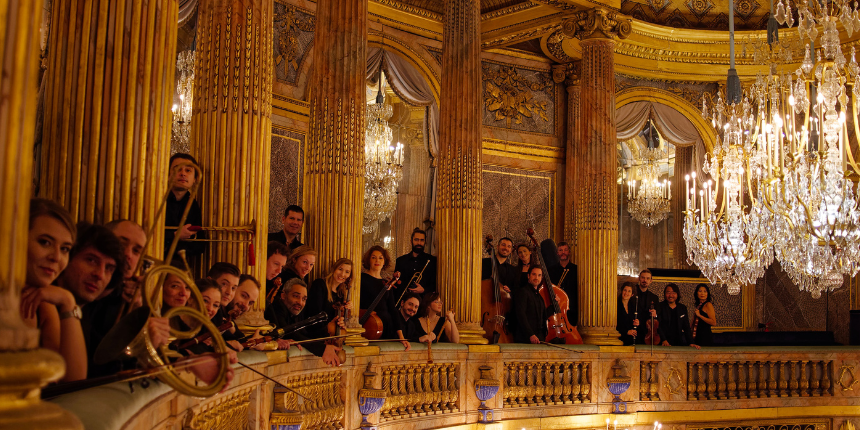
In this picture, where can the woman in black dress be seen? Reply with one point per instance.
(328, 294)
(524, 255)
(431, 324)
(374, 261)
(705, 317)
(626, 314)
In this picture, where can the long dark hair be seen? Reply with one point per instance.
(706, 289)
(423, 309)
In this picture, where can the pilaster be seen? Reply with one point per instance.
(107, 118)
(568, 74)
(459, 201)
(231, 125)
(596, 159)
(23, 368)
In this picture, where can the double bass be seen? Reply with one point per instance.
(367, 317)
(495, 303)
(559, 329)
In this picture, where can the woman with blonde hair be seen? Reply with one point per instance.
(300, 262)
(329, 293)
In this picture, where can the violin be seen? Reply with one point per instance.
(342, 314)
(228, 324)
(367, 317)
(652, 338)
(495, 303)
(559, 329)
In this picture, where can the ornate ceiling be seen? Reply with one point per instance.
(487, 6)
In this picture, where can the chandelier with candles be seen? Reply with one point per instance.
(786, 167)
(181, 133)
(383, 164)
(650, 202)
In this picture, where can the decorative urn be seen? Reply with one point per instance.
(370, 400)
(485, 389)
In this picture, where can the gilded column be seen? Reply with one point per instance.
(107, 118)
(596, 159)
(459, 203)
(683, 163)
(231, 125)
(568, 74)
(23, 368)
(334, 166)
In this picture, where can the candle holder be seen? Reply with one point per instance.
(486, 388)
(370, 400)
(618, 384)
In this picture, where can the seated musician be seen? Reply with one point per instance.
(431, 325)
(374, 261)
(529, 312)
(226, 276)
(674, 329)
(413, 262)
(508, 275)
(299, 264)
(183, 177)
(404, 324)
(288, 310)
(329, 293)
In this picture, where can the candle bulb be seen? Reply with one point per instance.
(607, 424)
(615, 425)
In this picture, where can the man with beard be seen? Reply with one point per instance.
(246, 295)
(410, 264)
(404, 324)
(288, 309)
(570, 284)
(646, 303)
(530, 311)
(509, 277)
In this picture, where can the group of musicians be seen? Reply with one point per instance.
(84, 284)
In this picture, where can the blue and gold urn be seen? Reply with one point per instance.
(370, 400)
(486, 388)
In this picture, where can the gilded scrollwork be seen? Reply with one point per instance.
(674, 382)
(294, 29)
(510, 95)
(847, 385)
(597, 23)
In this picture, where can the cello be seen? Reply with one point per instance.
(367, 317)
(559, 329)
(495, 303)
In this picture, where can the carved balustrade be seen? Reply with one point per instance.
(535, 382)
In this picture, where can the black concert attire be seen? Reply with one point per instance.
(529, 315)
(172, 215)
(220, 319)
(625, 320)
(407, 327)
(674, 324)
(570, 287)
(524, 276)
(508, 273)
(318, 302)
(408, 266)
(280, 236)
(273, 290)
(370, 288)
(278, 314)
(98, 318)
(643, 305)
(437, 330)
(700, 331)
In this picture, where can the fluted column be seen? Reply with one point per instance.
(23, 368)
(459, 203)
(107, 123)
(231, 124)
(596, 158)
(683, 163)
(334, 166)
(568, 74)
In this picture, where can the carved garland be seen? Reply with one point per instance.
(509, 95)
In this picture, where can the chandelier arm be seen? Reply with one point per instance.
(856, 138)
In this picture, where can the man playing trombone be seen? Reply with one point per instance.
(417, 266)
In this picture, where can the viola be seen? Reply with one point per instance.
(652, 338)
(559, 329)
(367, 317)
(495, 303)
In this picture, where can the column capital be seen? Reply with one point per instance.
(597, 23)
(567, 73)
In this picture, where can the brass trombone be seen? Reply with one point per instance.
(416, 278)
(142, 347)
(250, 229)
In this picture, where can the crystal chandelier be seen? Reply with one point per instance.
(383, 164)
(650, 204)
(181, 136)
(626, 265)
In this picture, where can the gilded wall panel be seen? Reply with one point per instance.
(516, 199)
(288, 149)
(293, 40)
(689, 91)
(518, 98)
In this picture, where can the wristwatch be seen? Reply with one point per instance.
(75, 312)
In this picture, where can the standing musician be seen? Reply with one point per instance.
(410, 264)
(374, 261)
(646, 303)
(626, 314)
(524, 255)
(530, 311)
(570, 284)
(288, 309)
(183, 178)
(328, 294)
(674, 320)
(508, 274)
